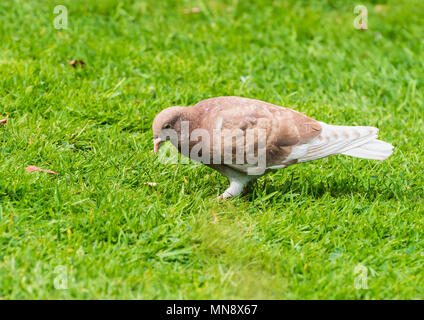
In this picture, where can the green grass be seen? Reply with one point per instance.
(302, 231)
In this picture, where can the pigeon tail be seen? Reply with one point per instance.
(355, 141)
(375, 150)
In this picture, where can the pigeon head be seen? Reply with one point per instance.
(168, 119)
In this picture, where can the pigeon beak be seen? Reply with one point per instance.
(157, 142)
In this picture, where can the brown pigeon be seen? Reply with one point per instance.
(244, 138)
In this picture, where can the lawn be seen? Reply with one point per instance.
(336, 228)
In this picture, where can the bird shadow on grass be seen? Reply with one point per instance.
(335, 187)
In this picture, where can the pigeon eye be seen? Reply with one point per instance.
(167, 126)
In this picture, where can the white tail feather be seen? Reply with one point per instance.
(360, 142)
(376, 150)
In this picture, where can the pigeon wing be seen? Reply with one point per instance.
(234, 117)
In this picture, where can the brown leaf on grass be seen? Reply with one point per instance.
(192, 10)
(214, 215)
(34, 168)
(74, 63)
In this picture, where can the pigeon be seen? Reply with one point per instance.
(243, 138)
